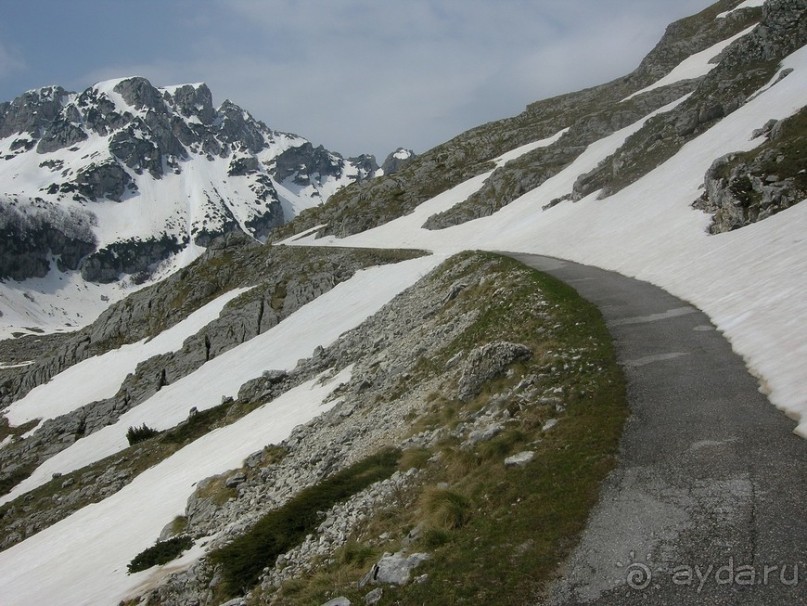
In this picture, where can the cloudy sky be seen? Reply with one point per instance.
(354, 75)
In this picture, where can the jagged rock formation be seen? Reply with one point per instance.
(197, 171)
(397, 160)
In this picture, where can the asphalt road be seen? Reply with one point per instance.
(708, 504)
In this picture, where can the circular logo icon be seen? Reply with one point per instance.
(639, 576)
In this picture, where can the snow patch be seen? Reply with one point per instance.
(100, 377)
(319, 323)
(96, 543)
(695, 66)
(749, 281)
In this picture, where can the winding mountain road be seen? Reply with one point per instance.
(708, 502)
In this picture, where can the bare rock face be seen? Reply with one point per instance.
(743, 188)
(307, 163)
(394, 568)
(107, 180)
(397, 160)
(486, 363)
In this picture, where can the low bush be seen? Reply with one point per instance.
(445, 509)
(140, 434)
(160, 553)
(243, 560)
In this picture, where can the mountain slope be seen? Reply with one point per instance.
(746, 280)
(440, 371)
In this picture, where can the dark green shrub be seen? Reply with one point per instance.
(160, 553)
(243, 560)
(139, 434)
(197, 425)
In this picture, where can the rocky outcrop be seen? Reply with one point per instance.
(366, 165)
(743, 188)
(393, 569)
(137, 258)
(745, 66)
(107, 180)
(306, 164)
(487, 363)
(33, 112)
(397, 160)
(237, 128)
(524, 174)
(62, 132)
(136, 152)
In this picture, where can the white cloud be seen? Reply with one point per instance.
(366, 76)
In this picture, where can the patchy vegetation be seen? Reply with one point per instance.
(161, 552)
(242, 560)
(746, 187)
(744, 68)
(500, 529)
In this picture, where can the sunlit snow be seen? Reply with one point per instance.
(94, 545)
(742, 5)
(101, 376)
(751, 281)
(320, 322)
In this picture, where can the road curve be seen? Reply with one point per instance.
(708, 502)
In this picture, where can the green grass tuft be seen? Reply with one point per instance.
(243, 560)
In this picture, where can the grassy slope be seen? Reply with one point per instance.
(497, 535)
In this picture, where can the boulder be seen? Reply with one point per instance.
(486, 363)
(394, 569)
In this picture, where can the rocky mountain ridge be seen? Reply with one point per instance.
(194, 172)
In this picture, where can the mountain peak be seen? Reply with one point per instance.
(195, 172)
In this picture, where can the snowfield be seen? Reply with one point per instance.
(100, 377)
(96, 543)
(318, 323)
(694, 66)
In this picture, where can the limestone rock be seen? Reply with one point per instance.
(394, 569)
(487, 363)
(520, 459)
